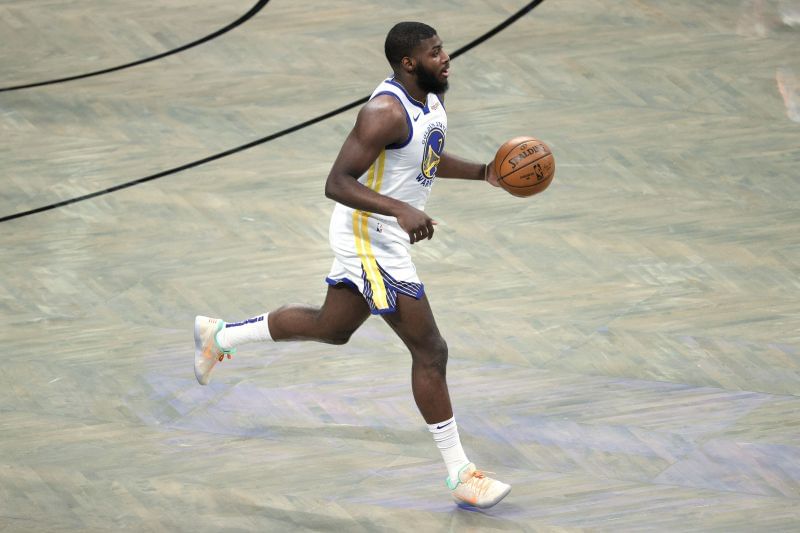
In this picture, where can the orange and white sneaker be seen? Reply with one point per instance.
(474, 488)
(206, 349)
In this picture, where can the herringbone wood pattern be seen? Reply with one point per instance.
(624, 347)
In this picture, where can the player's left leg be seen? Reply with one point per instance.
(414, 323)
(342, 313)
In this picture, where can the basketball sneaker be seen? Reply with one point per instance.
(206, 349)
(473, 488)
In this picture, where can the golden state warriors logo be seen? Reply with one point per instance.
(432, 153)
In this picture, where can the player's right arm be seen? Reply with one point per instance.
(380, 122)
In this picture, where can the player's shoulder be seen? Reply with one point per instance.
(384, 107)
(382, 120)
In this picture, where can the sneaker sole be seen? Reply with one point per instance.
(463, 503)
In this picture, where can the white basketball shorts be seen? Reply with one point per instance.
(372, 256)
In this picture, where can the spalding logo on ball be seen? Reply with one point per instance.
(524, 166)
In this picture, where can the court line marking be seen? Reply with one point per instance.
(238, 22)
(469, 46)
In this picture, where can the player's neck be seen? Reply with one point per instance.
(411, 87)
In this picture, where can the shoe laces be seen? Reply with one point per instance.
(479, 482)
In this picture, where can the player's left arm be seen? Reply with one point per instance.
(454, 167)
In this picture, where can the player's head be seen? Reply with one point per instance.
(415, 48)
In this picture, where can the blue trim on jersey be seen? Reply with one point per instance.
(415, 290)
(333, 282)
(394, 146)
(417, 103)
(393, 288)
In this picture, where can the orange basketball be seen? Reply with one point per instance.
(524, 166)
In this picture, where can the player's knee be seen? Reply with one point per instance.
(435, 354)
(340, 337)
(441, 354)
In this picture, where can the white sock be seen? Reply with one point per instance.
(254, 329)
(446, 436)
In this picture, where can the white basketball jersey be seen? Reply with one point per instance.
(404, 170)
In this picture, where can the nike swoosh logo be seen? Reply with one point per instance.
(444, 426)
(415, 118)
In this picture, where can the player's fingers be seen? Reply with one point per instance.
(424, 232)
(430, 229)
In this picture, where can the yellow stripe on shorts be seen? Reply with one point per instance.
(361, 231)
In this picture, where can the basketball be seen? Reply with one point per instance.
(524, 166)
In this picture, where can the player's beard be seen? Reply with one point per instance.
(428, 81)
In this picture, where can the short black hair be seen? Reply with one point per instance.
(403, 38)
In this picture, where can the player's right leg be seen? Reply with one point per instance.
(414, 323)
(343, 311)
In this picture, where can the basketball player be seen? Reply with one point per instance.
(380, 182)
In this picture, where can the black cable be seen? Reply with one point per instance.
(500, 27)
(241, 20)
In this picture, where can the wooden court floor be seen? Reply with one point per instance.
(624, 348)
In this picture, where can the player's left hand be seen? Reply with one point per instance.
(491, 175)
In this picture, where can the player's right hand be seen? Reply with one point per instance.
(416, 223)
